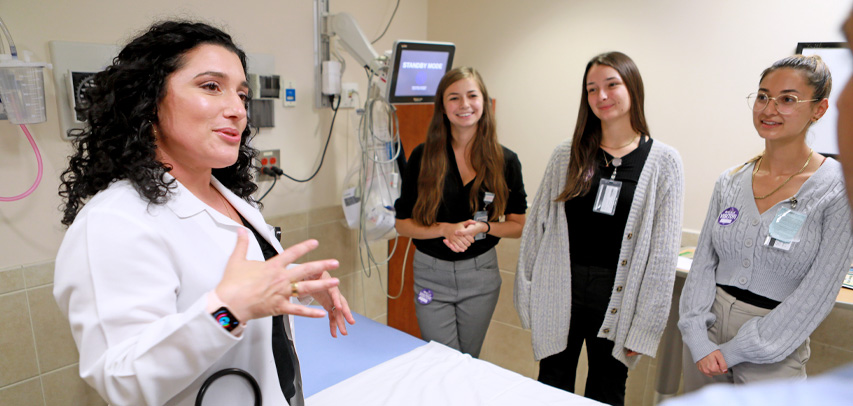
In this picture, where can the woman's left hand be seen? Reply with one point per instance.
(472, 228)
(631, 353)
(336, 305)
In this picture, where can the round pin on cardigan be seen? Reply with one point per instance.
(425, 296)
(728, 216)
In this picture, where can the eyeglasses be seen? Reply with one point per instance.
(785, 104)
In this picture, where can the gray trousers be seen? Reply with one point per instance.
(465, 294)
(731, 315)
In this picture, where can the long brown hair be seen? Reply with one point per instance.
(587, 136)
(486, 157)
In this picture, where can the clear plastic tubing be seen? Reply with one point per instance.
(38, 176)
(12, 49)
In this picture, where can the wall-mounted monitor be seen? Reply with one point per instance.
(416, 69)
(823, 135)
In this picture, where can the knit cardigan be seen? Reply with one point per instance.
(805, 279)
(645, 274)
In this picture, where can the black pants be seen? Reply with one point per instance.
(591, 288)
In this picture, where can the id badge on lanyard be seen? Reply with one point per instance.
(608, 195)
(483, 215)
(785, 228)
(608, 192)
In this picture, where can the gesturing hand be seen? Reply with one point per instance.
(255, 289)
(336, 305)
(713, 364)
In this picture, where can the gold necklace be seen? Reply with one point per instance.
(758, 165)
(225, 203)
(616, 161)
(629, 143)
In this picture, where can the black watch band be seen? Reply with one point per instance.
(225, 319)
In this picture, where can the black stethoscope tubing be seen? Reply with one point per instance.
(230, 371)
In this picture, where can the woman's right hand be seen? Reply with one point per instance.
(457, 242)
(255, 289)
(713, 364)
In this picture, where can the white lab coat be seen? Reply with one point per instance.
(133, 279)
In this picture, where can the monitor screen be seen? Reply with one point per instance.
(823, 134)
(416, 69)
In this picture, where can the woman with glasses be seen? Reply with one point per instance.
(776, 242)
(598, 252)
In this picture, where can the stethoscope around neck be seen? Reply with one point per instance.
(230, 371)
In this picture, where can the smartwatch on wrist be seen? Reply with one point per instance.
(219, 311)
(225, 319)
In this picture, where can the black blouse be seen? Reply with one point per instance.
(454, 207)
(284, 353)
(595, 238)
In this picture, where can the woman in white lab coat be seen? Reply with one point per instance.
(162, 272)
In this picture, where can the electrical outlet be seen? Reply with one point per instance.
(349, 95)
(267, 158)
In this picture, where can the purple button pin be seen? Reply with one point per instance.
(425, 296)
(728, 216)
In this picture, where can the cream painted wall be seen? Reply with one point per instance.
(699, 60)
(30, 230)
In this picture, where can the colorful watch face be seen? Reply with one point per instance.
(226, 319)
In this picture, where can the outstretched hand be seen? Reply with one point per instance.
(255, 289)
(336, 305)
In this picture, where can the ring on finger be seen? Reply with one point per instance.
(294, 289)
(334, 308)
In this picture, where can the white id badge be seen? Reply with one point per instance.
(607, 196)
(778, 244)
(785, 228)
(481, 215)
(488, 198)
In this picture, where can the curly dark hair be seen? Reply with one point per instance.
(121, 108)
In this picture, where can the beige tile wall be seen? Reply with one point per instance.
(832, 342)
(327, 225)
(38, 357)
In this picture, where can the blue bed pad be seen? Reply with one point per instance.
(326, 361)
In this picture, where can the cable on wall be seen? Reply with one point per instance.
(389, 23)
(325, 148)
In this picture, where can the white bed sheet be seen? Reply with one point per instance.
(434, 374)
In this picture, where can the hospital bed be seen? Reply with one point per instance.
(379, 365)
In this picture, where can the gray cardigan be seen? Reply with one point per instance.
(645, 273)
(805, 279)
